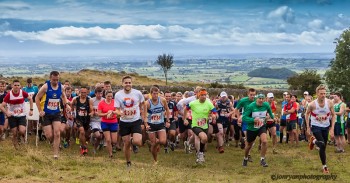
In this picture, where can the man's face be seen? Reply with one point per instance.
(2, 87)
(29, 85)
(168, 96)
(288, 98)
(336, 98)
(251, 95)
(178, 97)
(270, 99)
(98, 95)
(321, 94)
(308, 99)
(108, 87)
(83, 92)
(16, 86)
(127, 84)
(68, 93)
(155, 95)
(54, 79)
(202, 97)
(260, 101)
(66, 84)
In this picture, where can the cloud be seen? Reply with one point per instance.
(316, 24)
(284, 12)
(173, 34)
(14, 5)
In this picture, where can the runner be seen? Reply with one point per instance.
(128, 103)
(154, 123)
(51, 93)
(67, 118)
(171, 130)
(2, 114)
(109, 122)
(255, 116)
(339, 127)
(271, 122)
(290, 110)
(95, 124)
(83, 112)
(16, 112)
(283, 121)
(320, 111)
(32, 91)
(348, 121)
(242, 104)
(202, 109)
(225, 109)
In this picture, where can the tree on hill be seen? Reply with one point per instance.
(265, 72)
(306, 81)
(338, 76)
(166, 62)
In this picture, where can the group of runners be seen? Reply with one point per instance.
(129, 119)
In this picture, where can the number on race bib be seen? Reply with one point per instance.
(155, 118)
(201, 121)
(129, 113)
(259, 124)
(53, 104)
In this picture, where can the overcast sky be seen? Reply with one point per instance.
(188, 27)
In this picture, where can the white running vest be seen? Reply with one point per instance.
(320, 116)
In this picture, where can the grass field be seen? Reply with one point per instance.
(31, 164)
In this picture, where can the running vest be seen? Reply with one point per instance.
(95, 103)
(52, 100)
(18, 110)
(339, 119)
(320, 116)
(156, 112)
(2, 96)
(82, 109)
(273, 108)
(224, 108)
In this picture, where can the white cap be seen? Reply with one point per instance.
(285, 93)
(270, 95)
(306, 93)
(223, 94)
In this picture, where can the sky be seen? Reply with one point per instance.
(179, 27)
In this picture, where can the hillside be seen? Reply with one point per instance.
(265, 72)
(91, 77)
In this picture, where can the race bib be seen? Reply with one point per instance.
(201, 122)
(156, 118)
(82, 113)
(17, 111)
(31, 94)
(129, 113)
(170, 113)
(322, 118)
(53, 104)
(223, 113)
(288, 116)
(260, 123)
(95, 111)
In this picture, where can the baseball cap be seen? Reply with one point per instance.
(306, 93)
(270, 95)
(223, 94)
(191, 93)
(285, 93)
(260, 95)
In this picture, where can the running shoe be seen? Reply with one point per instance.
(263, 163)
(325, 170)
(221, 149)
(245, 162)
(311, 143)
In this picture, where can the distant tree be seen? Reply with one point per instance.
(265, 72)
(166, 62)
(338, 76)
(306, 81)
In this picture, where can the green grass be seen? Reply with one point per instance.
(31, 164)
